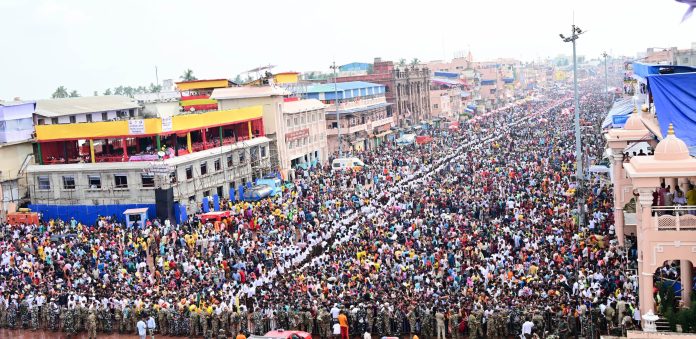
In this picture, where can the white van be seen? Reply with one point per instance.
(342, 164)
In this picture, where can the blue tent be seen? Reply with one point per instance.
(674, 96)
(642, 70)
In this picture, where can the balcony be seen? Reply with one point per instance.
(355, 104)
(674, 218)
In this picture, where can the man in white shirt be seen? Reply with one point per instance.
(142, 328)
(527, 329)
(334, 313)
(151, 326)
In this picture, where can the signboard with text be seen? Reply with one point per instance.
(296, 134)
(136, 126)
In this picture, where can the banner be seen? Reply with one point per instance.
(136, 126)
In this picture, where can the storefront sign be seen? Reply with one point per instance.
(136, 126)
(166, 124)
(296, 135)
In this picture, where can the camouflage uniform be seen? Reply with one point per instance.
(215, 323)
(162, 320)
(92, 326)
(454, 324)
(474, 325)
(193, 323)
(69, 323)
(118, 320)
(54, 317)
(492, 326)
(324, 324)
(12, 316)
(34, 314)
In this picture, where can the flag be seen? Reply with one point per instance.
(690, 10)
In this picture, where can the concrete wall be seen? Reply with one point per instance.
(316, 141)
(237, 172)
(40, 120)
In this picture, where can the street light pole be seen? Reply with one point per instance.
(576, 31)
(338, 115)
(606, 78)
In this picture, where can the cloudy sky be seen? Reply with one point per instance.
(91, 45)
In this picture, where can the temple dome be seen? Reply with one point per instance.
(671, 147)
(633, 123)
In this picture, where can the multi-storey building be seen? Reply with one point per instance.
(447, 96)
(359, 108)
(296, 128)
(16, 129)
(407, 88)
(100, 156)
(649, 212)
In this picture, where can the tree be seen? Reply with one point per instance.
(415, 62)
(402, 62)
(238, 80)
(128, 91)
(155, 88)
(188, 75)
(118, 90)
(74, 94)
(108, 92)
(61, 92)
(96, 93)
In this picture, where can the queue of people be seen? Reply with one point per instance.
(473, 234)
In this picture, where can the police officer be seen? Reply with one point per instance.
(92, 325)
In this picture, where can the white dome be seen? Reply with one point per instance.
(633, 123)
(671, 147)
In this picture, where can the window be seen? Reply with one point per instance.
(44, 183)
(263, 151)
(189, 172)
(241, 156)
(206, 193)
(54, 121)
(192, 198)
(217, 165)
(42, 122)
(121, 180)
(94, 181)
(148, 180)
(297, 121)
(73, 119)
(68, 182)
(219, 191)
(89, 117)
(288, 122)
(435, 106)
(105, 116)
(229, 161)
(204, 168)
(244, 181)
(131, 113)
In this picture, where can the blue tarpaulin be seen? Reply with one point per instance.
(674, 96)
(620, 108)
(216, 202)
(206, 205)
(644, 70)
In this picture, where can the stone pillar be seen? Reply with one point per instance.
(686, 281)
(617, 173)
(645, 273)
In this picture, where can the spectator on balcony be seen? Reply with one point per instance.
(679, 198)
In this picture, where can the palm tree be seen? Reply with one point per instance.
(188, 75)
(155, 88)
(108, 91)
(238, 80)
(415, 62)
(61, 92)
(402, 62)
(74, 94)
(96, 93)
(118, 90)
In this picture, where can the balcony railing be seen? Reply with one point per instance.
(674, 218)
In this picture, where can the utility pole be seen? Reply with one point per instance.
(576, 31)
(606, 78)
(338, 115)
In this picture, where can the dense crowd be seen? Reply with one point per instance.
(473, 234)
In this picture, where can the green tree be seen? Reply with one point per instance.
(402, 62)
(61, 92)
(96, 93)
(108, 92)
(415, 62)
(119, 90)
(188, 75)
(140, 90)
(155, 88)
(128, 91)
(238, 80)
(74, 94)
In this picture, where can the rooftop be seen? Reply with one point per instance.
(247, 92)
(302, 106)
(79, 105)
(341, 86)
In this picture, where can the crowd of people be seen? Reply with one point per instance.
(473, 234)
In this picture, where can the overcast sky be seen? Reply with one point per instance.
(91, 45)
